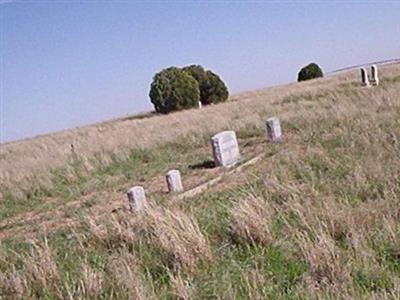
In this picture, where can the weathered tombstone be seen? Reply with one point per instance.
(174, 181)
(137, 198)
(274, 129)
(200, 105)
(374, 75)
(364, 77)
(225, 149)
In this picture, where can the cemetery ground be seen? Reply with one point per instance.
(317, 217)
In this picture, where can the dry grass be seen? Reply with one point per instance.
(179, 236)
(91, 283)
(182, 288)
(316, 218)
(39, 269)
(124, 267)
(31, 161)
(251, 220)
(173, 231)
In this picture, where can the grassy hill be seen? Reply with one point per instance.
(317, 217)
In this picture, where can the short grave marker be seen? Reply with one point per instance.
(274, 129)
(174, 181)
(137, 198)
(374, 75)
(225, 148)
(364, 77)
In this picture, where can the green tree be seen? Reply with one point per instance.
(173, 89)
(310, 71)
(216, 90)
(212, 88)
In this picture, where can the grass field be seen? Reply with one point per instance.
(318, 217)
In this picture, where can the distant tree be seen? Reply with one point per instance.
(198, 73)
(212, 88)
(216, 90)
(173, 89)
(310, 71)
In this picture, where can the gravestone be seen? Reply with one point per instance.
(274, 129)
(225, 149)
(137, 198)
(374, 75)
(200, 105)
(364, 77)
(174, 181)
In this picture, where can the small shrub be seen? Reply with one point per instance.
(310, 71)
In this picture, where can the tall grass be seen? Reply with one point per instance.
(30, 162)
(319, 219)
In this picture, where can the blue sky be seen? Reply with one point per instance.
(66, 64)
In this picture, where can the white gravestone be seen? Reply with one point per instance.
(200, 105)
(274, 129)
(374, 75)
(137, 198)
(225, 149)
(364, 77)
(174, 181)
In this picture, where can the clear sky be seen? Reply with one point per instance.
(70, 63)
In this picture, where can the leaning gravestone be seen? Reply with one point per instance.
(274, 129)
(364, 77)
(137, 198)
(225, 149)
(374, 75)
(174, 181)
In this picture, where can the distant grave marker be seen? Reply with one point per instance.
(174, 181)
(137, 198)
(225, 149)
(374, 75)
(364, 77)
(274, 129)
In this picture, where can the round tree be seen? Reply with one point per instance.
(198, 73)
(212, 88)
(216, 90)
(173, 89)
(310, 71)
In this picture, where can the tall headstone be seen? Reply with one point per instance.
(364, 77)
(137, 198)
(274, 129)
(174, 181)
(200, 105)
(225, 149)
(374, 75)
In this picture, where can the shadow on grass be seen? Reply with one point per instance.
(206, 164)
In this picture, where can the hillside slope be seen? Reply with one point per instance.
(317, 217)
(24, 160)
